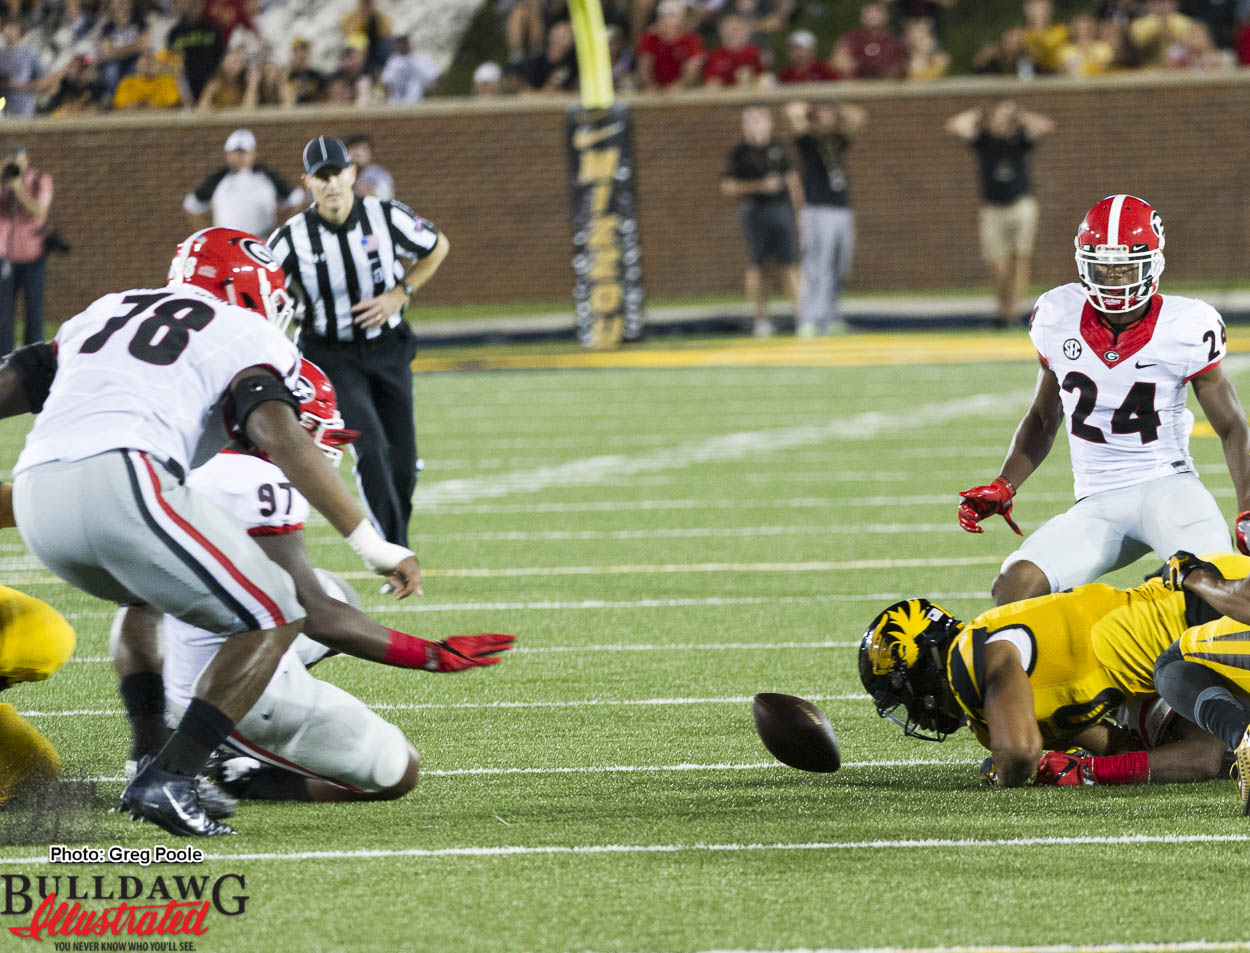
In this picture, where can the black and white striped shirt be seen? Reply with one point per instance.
(342, 265)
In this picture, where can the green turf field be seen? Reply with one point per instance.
(665, 543)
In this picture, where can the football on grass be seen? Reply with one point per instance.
(796, 732)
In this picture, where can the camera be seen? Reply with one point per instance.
(11, 170)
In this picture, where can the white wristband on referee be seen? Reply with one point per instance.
(377, 554)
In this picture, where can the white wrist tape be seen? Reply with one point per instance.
(378, 555)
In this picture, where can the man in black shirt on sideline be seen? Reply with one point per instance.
(759, 174)
(1002, 135)
(824, 134)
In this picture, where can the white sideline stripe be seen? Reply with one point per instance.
(752, 444)
(625, 647)
(593, 849)
(746, 503)
(610, 769)
(706, 532)
(440, 706)
(547, 606)
(1186, 946)
(670, 568)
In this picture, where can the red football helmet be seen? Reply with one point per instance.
(236, 267)
(1119, 253)
(319, 411)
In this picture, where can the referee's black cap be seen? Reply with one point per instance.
(325, 151)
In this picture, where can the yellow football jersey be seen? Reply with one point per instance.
(1086, 650)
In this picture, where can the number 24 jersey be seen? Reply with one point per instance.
(1124, 394)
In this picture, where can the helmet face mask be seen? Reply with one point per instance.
(902, 664)
(236, 267)
(1119, 253)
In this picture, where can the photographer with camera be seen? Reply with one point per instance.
(25, 198)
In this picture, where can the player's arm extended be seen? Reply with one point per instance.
(1220, 403)
(350, 631)
(1037, 431)
(1015, 740)
(273, 427)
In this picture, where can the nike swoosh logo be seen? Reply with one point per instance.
(584, 138)
(194, 824)
(1139, 365)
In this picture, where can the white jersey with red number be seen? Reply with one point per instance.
(148, 370)
(253, 491)
(1124, 396)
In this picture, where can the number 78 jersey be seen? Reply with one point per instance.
(1124, 395)
(148, 370)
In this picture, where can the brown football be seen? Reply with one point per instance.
(796, 732)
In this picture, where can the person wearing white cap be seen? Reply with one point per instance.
(243, 193)
(486, 79)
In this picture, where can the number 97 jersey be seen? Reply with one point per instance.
(1124, 394)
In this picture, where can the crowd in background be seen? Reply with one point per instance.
(72, 56)
(64, 57)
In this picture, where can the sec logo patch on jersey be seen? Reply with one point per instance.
(1072, 349)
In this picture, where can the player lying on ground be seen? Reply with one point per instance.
(35, 641)
(1044, 675)
(316, 741)
(1205, 674)
(144, 383)
(1116, 358)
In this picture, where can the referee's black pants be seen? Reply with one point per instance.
(373, 382)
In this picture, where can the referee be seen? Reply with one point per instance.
(356, 262)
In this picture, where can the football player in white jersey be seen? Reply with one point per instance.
(146, 381)
(314, 741)
(1116, 357)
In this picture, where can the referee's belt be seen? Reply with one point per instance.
(388, 336)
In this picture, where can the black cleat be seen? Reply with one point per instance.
(216, 802)
(171, 802)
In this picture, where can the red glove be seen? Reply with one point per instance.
(1243, 527)
(1063, 768)
(453, 654)
(984, 501)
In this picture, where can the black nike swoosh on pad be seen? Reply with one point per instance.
(1139, 365)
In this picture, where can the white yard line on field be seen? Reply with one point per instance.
(748, 444)
(613, 604)
(698, 532)
(1186, 946)
(461, 706)
(752, 503)
(1168, 840)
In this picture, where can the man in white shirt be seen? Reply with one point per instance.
(242, 194)
(407, 75)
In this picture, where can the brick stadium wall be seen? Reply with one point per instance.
(493, 176)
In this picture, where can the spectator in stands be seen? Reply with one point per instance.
(243, 193)
(871, 51)
(1219, 17)
(802, 64)
(230, 15)
(1196, 50)
(823, 137)
(150, 87)
(408, 74)
(925, 59)
(1043, 37)
(1007, 57)
(765, 18)
(77, 89)
(233, 85)
(341, 91)
(310, 84)
(20, 71)
(553, 70)
(486, 79)
(1002, 135)
(274, 87)
(1243, 43)
(123, 37)
(670, 56)
(352, 74)
(759, 175)
(1121, 12)
(199, 42)
(621, 56)
(367, 21)
(737, 61)
(25, 199)
(1157, 36)
(1085, 53)
(931, 10)
(371, 179)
